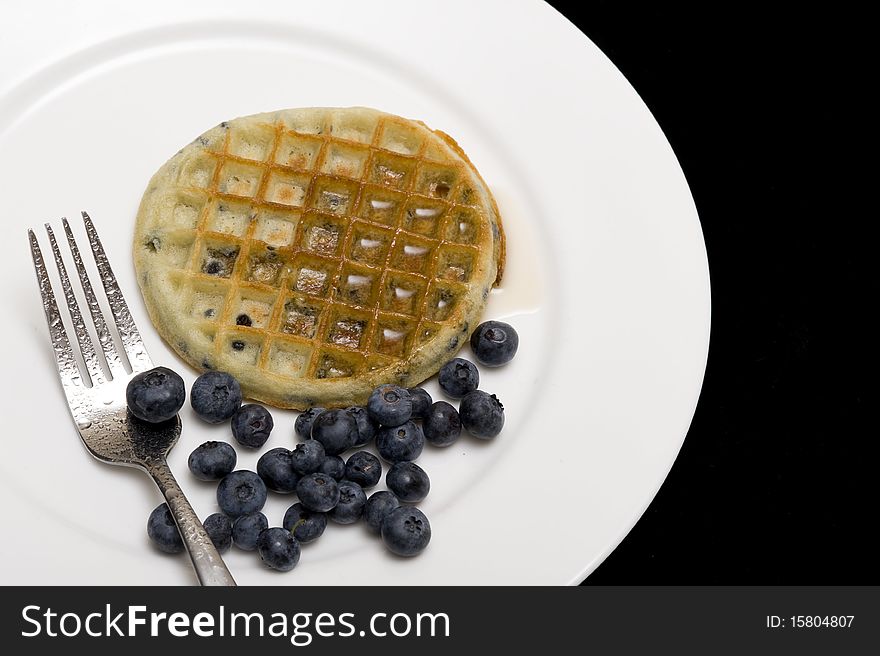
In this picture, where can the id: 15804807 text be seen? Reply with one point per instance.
(810, 621)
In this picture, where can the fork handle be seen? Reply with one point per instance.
(206, 560)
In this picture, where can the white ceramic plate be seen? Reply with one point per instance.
(607, 279)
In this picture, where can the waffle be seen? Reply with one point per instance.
(317, 253)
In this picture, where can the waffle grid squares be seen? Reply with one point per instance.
(331, 255)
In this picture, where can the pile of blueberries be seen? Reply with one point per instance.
(398, 421)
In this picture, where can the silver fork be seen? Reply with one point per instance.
(97, 402)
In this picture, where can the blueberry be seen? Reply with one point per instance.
(278, 549)
(406, 531)
(442, 425)
(408, 481)
(421, 401)
(494, 343)
(251, 425)
(364, 469)
(458, 377)
(366, 427)
(318, 492)
(155, 395)
(246, 530)
(240, 493)
(336, 430)
(215, 396)
(378, 506)
(396, 443)
(211, 461)
(482, 414)
(307, 457)
(305, 525)
(303, 424)
(390, 405)
(350, 507)
(219, 529)
(275, 467)
(163, 531)
(333, 466)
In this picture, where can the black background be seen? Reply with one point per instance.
(774, 482)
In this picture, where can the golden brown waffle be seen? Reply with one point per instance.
(317, 253)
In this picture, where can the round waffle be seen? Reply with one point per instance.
(317, 253)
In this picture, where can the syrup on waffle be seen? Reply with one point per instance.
(317, 253)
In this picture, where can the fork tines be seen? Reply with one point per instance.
(129, 337)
